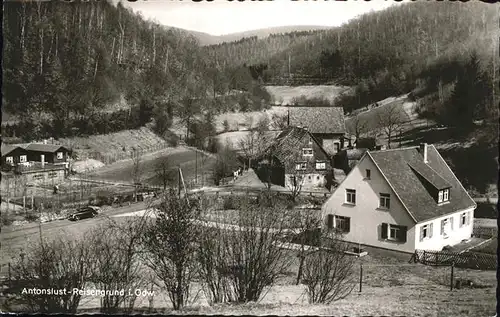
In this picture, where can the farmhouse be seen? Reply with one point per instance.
(402, 199)
(295, 155)
(13, 155)
(326, 124)
(36, 163)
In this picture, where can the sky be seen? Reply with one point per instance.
(223, 16)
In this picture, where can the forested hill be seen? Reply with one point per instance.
(381, 53)
(66, 64)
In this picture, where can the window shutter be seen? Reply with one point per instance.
(384, 231)
(402, 233)
(442, 227)
(468, 218)
(421, 233)
(451, 223)
(354, 197)
(381, 202)
(431, 227)
(388, 201)
(347, 225)
(330, 221)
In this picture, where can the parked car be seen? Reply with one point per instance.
(84, 212)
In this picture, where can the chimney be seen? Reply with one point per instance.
(423, 150)
(42, 157)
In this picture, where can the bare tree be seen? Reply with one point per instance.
(304, 223)
(117, 262)
(170, 245)
(52, 265)
(165, 172)
(360, 126)
(390, 120)
(328, 272)
(279, 122)
(226, 162)
(246, 258)
(136, 156)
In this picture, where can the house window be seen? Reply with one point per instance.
(59, 155)
(368, 174)
(464, 219)
(385, 201)
(343, 224)
(443, 195)
(9, 159)
(446, 195)
(329, 221)
(337, 146)
(350, 196)
(23, 159)
(394, 232)
(446, 227)
(320, 165)
(426, 231)
(301, 166)
(307, 152)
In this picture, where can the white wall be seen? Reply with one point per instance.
(366, 216)
(329, 145)
(309, 181)
(437, 241)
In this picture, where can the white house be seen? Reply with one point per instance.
(401, 199)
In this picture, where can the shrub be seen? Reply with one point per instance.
(6, 219)
(230, 203)
(31, 217)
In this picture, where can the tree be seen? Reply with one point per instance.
(390, 120)
(245, 259)
(165, 172)
(226, 162)
(470, 96)
(170, 243)
(117, 261)
(279, 122)
(58, 264)
(304, 228)
(360, 126)
(328, 272)
(136, 157)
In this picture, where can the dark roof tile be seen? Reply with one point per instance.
(318, 119)
(396, 165)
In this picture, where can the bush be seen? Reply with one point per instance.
(6, 219)
(31, 217)
(230, 203)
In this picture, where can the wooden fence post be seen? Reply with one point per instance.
(425, 259)
(360, 277)
(451, 280)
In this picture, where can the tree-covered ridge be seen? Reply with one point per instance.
(67, 63)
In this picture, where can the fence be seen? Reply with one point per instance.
(117, 156)
(471, 260)
(484, 232)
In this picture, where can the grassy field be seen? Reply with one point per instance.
(285, 94)
(489, 247)
(115, 145)
(185, 157)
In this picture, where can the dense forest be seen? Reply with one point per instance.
(67, 65)
(418, 46)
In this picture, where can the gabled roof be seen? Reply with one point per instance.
(7, 148)
(318, 119)
(38, 147)
(288, 141)
(401, 168)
